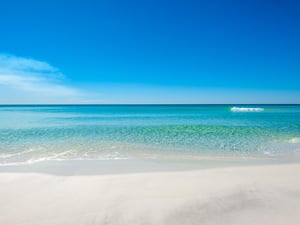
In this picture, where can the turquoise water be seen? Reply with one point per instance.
(36, 133)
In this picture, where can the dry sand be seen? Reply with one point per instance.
(265, 195)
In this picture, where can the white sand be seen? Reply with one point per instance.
(264, 195)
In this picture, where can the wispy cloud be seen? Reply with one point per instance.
(26, 80)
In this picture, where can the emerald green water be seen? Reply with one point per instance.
(36, 133)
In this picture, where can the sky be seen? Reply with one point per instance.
(147, 52)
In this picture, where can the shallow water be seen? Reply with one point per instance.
(31, 134)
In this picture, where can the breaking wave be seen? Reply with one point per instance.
(242, 109)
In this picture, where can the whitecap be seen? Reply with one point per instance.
(242, 109)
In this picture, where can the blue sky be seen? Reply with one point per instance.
(149, 51)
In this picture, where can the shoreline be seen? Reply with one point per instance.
(139, 165)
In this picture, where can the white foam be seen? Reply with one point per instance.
(242, 109)
(294, 140)
(5, 156)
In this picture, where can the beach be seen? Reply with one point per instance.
(149, 112)
(149, 165)
(257, 194)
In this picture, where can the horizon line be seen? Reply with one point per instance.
(148, 104)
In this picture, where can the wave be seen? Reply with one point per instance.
(63, 156)
(6, 156)
(295, 140)
(242, 109)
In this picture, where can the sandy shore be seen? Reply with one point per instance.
(266, 195)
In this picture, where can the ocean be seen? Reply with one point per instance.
(30, 134)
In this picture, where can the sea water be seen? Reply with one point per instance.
(36, 133)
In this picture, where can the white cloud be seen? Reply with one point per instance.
(14, 63)
(25, 80)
